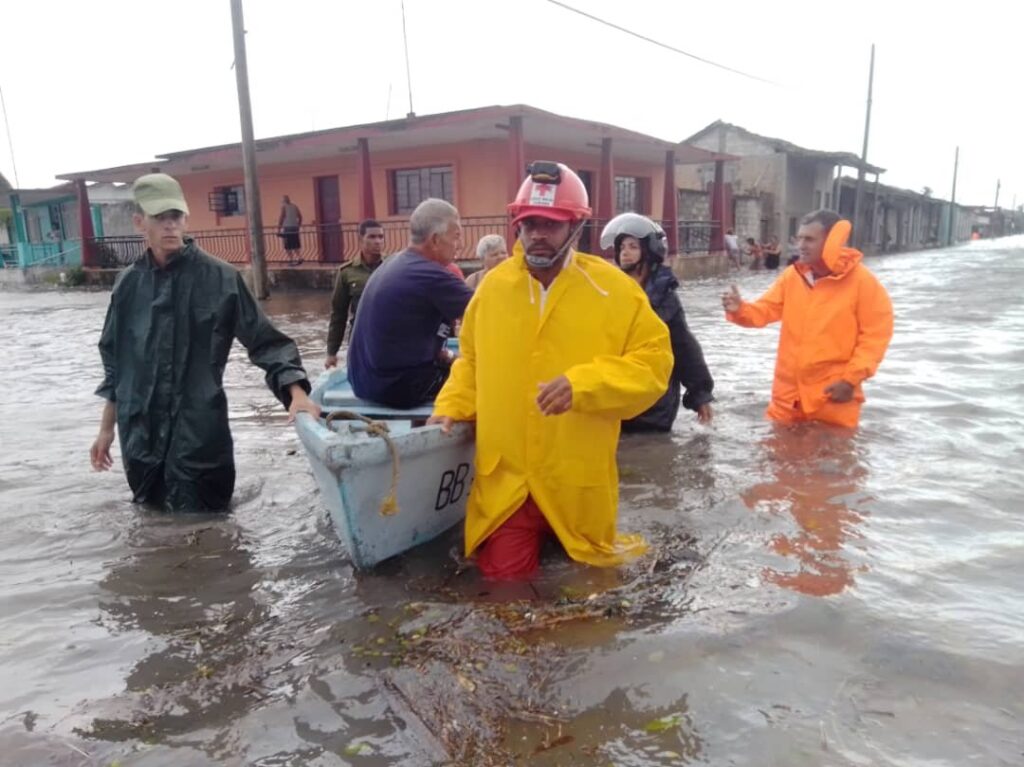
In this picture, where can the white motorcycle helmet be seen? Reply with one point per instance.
(649, 234)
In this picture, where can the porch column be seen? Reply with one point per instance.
(516, 156)
(85, 229)
(874, 213)
(20, 230)
(670, 204)
(367, 209)
(721, 208)
(97, 220)
(605, 185)
(516, 168)
(885, 226)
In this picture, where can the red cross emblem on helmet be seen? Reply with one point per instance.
(566, 200)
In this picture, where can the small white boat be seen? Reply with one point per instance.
(388, 483)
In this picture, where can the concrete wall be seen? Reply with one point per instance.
(747, 211)
(694, 177)
(116, 219)
(760, 168)
(694, 205)
(760, 172)
(801, 183)
(697, 267)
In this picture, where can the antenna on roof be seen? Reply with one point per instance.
(408, 75)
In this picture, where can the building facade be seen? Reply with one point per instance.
(475, 159)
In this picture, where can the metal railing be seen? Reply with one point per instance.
(117, 252)
(332, 243)
(693, 237)
(697, 236)
(16, 256)
(337, 243)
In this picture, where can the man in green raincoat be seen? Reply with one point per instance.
(172, 318)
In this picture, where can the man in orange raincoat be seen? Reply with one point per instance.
(557, 349)
(836, 325)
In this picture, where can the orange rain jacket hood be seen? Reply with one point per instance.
(837, 328)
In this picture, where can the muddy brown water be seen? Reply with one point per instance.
(817, 599)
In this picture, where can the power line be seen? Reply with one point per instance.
(10, 141)
(662, 45)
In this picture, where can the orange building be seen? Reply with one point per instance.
(475, 159)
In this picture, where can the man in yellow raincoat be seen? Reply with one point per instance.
(557, 348)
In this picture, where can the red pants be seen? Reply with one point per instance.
(513, 550)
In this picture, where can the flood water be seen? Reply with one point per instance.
(815, 599)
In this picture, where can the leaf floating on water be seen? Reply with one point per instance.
(467, 684)
(372, 618)
(354, 749)
(663, 724)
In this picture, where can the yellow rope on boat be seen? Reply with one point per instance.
(380, 429)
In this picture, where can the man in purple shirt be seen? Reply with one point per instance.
(397, 354)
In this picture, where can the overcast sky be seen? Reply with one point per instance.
(111, 82)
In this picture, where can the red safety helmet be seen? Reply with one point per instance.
(551, 190)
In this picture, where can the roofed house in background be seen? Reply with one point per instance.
(901, 219)
(475, 159)
(46, 223)
(773, 183)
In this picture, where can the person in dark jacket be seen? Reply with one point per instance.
(640, 250)
(397, 353)
(172, 318)
(349, 285)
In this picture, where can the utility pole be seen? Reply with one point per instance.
(253, 209)
(998, 184)
(858, 235)
(952, 200)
